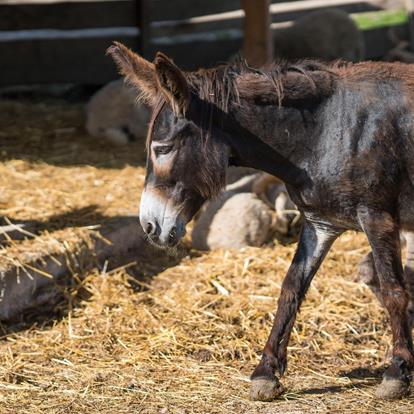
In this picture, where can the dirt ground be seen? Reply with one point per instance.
(186, 340)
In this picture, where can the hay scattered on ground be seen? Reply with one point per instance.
(187, 340)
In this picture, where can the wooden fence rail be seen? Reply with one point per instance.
(61, 42)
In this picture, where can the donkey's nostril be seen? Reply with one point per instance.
(172, 237)
(150, 228)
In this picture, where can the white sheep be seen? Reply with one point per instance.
(243, 213)
(234, 220)
(326, 34)
(113, 114)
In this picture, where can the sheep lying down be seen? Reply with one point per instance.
(113, 114)
(247, 213)
(326, 34)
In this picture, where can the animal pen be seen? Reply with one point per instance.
(67, 40)
(95, 319)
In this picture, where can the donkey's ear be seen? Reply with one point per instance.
(137, 71)
(172, 83)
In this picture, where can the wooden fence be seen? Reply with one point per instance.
(65, 41)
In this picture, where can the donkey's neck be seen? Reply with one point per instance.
(270, 117)
(273, 139)
(251, 149)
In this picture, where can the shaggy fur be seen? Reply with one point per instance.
(341, 136)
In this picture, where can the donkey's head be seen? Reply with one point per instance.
(185, 163)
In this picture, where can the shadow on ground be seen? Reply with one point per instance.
(53, 131)
(118, 243)
(366, 377)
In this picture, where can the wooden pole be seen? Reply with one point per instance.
(144, 22)
(258, 48)
(409, 5)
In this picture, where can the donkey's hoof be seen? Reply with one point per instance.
(265, 389)
(392, 389)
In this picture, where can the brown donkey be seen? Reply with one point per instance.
(340, 136)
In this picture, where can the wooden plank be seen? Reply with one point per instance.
(197, 54)
(409, 5)
(73, 15)
(257, 44)
(315, 4)
(348, 8)
(144, 23)
(81, 14)
(84, 61)
(235, 21)
(182, 9)
(58, 61)
(120, 13)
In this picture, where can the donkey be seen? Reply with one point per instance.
(341, 136)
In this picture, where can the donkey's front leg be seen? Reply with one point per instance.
(315, 241)
(383, 234)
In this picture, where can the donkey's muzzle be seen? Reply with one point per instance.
(167, 235)
(160, 219)
(153, 230)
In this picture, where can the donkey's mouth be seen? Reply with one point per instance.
(156, 242)
(167, 240)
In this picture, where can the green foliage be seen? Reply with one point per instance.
(378, 19)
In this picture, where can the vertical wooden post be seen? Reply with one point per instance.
(409, 6)
(258, 48)
(144, 24)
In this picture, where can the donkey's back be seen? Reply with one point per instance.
(365, 145)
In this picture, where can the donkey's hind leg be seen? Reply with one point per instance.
(383, 235)
(409, 276)
(314, 243)
(368, 275)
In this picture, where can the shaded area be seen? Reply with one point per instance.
(363, 373)
(52, 131)
(44, 286)
(13, 230)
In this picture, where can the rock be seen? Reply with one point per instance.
(35, 283)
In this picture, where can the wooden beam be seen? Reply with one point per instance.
(58, 61)
(409, 5)
(258, 48)
(144, 22)
(67, 16)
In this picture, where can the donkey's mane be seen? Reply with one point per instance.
(282, 83)
(278, 83)
(287, 83)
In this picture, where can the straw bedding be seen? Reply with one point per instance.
(185, 340)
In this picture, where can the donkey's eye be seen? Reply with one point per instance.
(163, 149)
